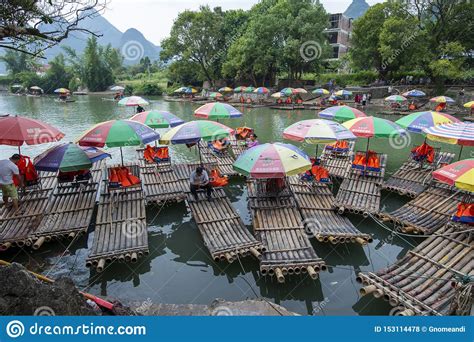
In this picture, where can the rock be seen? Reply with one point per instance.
(22, 294)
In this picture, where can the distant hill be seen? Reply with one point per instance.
(356, 9)
(131, 43)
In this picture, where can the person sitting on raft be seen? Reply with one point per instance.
(252, 141)
(8, 170)
(199, 179)
(140, 109)
(220, 145)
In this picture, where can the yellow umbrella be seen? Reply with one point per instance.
(470, 104)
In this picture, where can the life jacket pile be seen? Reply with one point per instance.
(242, 133)
(121, 177)
(369, 160)
(216, 179)
(440, 107)
(155, 154)
(338, 146)
(78, 176)
(217, 146)
(465, 213)
(28, 171)
(422, 153)
(317, 173)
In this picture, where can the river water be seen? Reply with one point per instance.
(179, 269)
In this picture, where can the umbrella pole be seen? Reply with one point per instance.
(460, 152)
(199, 151)
(19, 150)
(366, 156)
(121, 154)
(317, 148)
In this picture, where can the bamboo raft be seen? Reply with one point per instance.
(316, 204)
(338, 164)
(16, 228)
(70, 210)
(223, 231)
(426, 281)
(360, 193)
(223, 160)
(411, 179)
(279, 226)
(426, 213)
(120, 230)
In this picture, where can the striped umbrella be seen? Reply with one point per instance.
(341, 113)
(459, 174)
(180, 90)
(469, 104)
(68, 157)
(442, 99)
(343, 93)
(190, 90)
(395, 98)
(288, 91)
(249, 89)
(157, 119)
(458, 133)
(215, 94)
(240, 89)
(415, 122)
(133, 101)
(321, 91)
(414, 93)
(61, 91)
(261, 90)
(216, 110)
(226, 90)
(301, 91)
(272, 161)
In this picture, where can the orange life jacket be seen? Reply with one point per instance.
(422, 152)
(412, 106)
(440, 107)
(320, 173)
(154, 154)
(217, 179)
(243, 132)
(27, 170)
(242, 99)
(134, 180)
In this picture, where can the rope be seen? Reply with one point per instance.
(463, 300)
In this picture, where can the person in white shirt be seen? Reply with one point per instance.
(199, 179)
(8, 169)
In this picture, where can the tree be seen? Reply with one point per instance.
(32, 26)
(17, 62)
(97, 74)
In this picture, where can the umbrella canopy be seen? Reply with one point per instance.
(190, 90)
(343, 93)
(117, 88)
(216, 110)
(16, 86)
(193, 131)
(62, 90)
(240, 89)
(469, 104)
(288, 91)
(226, 90)
(249, 89)
(118, 133)
(373, 127)
(301, 91)
(261, 90)
(459, 133)
(133, 101)
(414, 93)
(272, 161)
(321, 91)
(395, 98)
(180, 90)
(415, 122)
(157, 119)
(36, 88)
(341, 113)
(277, 95)
(459, 174)
(317, 131)
(442, 99)
(17, 130)
(68, 157)
(215, 94)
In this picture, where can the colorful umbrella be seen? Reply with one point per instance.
(216, 110)
(341, 113)
(261, 90)
(117, 88)
(373, 127)
(321, 91)
(36, 88)
(157, 119)
(68, 157)
(193, 131)
(215, 94)
(442, 99)
(180, 90)
(133, 101)
(288, 91)
(118, 133)
(301, 91)
(395, 98)
(459, 174)
(240, 89)
(249, 90)
(469, 104)
(415, 122)
(226, 90)
(16, 86)
(277, 95)
(17, 130)
(458, 133)
(190, 90)
(62, 90)
(414, 93)
(343, 93)
(317, 131)
(272, 161)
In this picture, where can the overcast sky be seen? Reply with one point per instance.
(154, 18)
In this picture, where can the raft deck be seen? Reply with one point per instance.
(121, 230)
(360, 192)
(316, 204)
(279, 226)
(224, 160)
(421, 283)
(338, 164)
(223, 231)
(428, 212)
(411, 179)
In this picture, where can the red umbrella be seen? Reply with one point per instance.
(17, 130)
